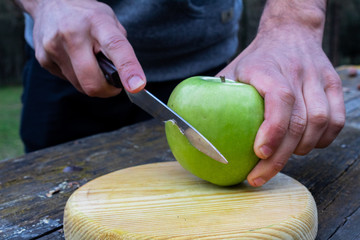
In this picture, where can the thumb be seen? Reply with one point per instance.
(129, 69)
(114, 44)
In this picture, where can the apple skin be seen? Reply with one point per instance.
(229, 115)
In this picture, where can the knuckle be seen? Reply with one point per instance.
(91, 90)
(43, 60)
(303, 150)
(49, 46)
(297, 125)
(126, 66)
(90, 87)
(122, 29)
(319, 118)
(114, 42)
(333, 84)
(286, 95)
(332, 80)
(337, 124)
(280, 129)
(278, 165)
(314, 17)
(69, 34)
(66, 31)
(70, 37)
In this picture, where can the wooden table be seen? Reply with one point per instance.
(34, 188)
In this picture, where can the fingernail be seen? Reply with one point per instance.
(265, 151)
(135, 82)
(259, 181)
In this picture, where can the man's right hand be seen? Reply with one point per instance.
(68, 34)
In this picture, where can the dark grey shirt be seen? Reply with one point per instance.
(176, 38)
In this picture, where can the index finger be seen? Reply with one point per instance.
(279, 101)
(88, 73)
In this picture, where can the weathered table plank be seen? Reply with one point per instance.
(34, 188)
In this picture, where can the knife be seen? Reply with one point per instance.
(152, 105)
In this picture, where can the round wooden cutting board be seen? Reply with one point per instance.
(164, 201)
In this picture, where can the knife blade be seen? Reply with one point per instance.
(152, 105)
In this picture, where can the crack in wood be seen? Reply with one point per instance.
(344, 222)
(336, 179)
(47, 233)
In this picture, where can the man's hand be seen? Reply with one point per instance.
(304, 107)
(68, 34)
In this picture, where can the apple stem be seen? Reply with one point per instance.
(222, 78)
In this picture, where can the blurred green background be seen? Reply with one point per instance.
(341, 44)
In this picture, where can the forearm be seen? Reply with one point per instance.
(307, 15)
(31, 6)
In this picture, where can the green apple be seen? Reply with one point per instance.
(228, 114)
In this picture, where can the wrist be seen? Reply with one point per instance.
(28, 6)
(289, 16)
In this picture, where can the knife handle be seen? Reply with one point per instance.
(109, 70)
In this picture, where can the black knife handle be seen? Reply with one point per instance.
(109, 70)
